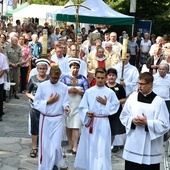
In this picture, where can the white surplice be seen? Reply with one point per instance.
(94, 149)
(141, 146)
(131, 75)
(62, 62)
(50, 126)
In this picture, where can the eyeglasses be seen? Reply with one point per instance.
(142, 84)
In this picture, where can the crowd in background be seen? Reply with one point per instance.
(78, 59)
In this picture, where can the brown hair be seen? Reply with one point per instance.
(100, 70)
(148, 77)
(131, 37)
(56, 70)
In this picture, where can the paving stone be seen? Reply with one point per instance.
(15, 143)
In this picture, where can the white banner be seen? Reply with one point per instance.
(132, 6)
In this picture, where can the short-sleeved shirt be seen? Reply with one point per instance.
(33, 85)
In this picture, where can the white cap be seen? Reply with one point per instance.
(74, 60)
(42, 61)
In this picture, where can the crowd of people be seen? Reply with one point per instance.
(79, 84)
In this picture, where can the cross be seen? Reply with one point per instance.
(77, 6)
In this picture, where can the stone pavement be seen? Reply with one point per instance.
(15, 143)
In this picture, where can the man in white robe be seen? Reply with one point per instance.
(60, 60)
(146, 119)
(130, 75)
(97, 104)
(51, 100)
(129, 83)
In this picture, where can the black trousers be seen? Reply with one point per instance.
(35, 116)
(24, 71)
(1, 99)
(135, 166)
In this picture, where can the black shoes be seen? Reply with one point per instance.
(69, 150)
(55, 167)
(74, 152)
(116, 148)
(16, 97)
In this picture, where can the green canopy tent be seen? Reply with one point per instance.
(11, 12)
(100, 13)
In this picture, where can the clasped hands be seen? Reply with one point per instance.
(14, 65)
(73, 90)
(140, 120)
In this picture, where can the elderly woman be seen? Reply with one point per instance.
(77, 85)
(26, 56)
(42, 65)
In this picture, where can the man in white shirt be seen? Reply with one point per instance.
(3, 67)
(161, 83)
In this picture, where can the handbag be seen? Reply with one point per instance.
(7, 86)
(7, 83)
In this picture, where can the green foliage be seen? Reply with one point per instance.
(54, 2)
(155, 10)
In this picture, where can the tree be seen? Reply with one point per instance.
(157, 11)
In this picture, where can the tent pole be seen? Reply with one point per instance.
(133, 29)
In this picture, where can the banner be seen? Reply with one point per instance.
(132, 6)
(9, 5)
(145, 26)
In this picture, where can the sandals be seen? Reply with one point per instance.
(33, 153)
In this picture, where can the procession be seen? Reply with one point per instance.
(91, 96)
